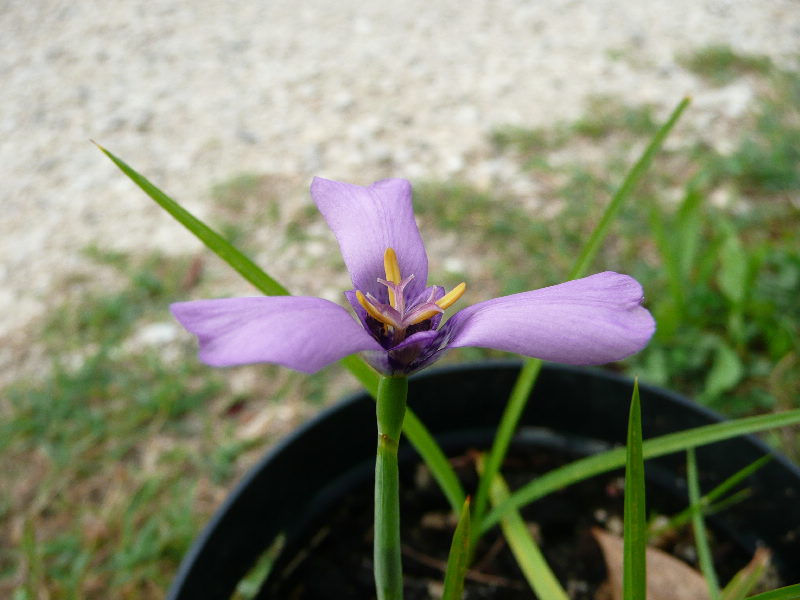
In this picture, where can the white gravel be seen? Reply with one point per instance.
(194, 92)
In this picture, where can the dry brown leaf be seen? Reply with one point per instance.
(746, 579)
(667, 577)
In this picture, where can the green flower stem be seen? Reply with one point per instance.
(391, 408)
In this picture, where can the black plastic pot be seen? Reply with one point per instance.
(587, 409)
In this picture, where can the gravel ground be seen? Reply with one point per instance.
(194, 92)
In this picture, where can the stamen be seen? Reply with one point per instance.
(442, 303)
(452, 297)
(423, 316)
(392, 268)
(372, 311)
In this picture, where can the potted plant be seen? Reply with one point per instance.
(292, 496)
(399, 329)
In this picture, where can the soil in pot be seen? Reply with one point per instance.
(334, 560)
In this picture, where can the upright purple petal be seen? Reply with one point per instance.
(298, 332)
(593, 320)
(368, 220)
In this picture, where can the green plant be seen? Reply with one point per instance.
(720, 64)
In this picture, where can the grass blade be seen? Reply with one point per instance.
(708, 503)
(614, 459)
(526, 552)
(634, 572)
(748, 577)
(628, 184)
(790, 592)
(530, 370)
(458, 560)
(417, 434)
(215, 242)
(699, 527)
(505, 431)
(434, 458)
(366, 375)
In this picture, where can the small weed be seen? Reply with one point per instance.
(92, 317)
(502, 232)
(92, 460)
(720, 283)
(530, 144)
(241, 192)
(245, 205)
(606, 116)
(767, 159)
(721, 65)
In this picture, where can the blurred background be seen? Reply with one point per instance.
(515, 120)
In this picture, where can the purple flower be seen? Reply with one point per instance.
(399, 329)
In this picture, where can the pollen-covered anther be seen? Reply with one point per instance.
(373, 311)
(440, 305)
(392, 269)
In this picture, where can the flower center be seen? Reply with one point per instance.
(402, 312)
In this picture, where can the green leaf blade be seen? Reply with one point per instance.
(413, 428)
(634, 574)
(441, 469)
(213, 240)
(790, 592)
(459, 557)
(700, 536)
(614, 459)
(527, 377)
(529, 557)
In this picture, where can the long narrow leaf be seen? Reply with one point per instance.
(628, 184)
(614, 459)
(634, 561)
(699, 527)
(417, 434)
(458, 560)
(434, 458)
(790, 592)
(528, 374)
(708, 503)
(215, 242)
(505, 431)
(748, 577)
(526, 552)
(365, 374)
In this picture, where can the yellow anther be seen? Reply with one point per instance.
(392, 268)
(371, 310)
(452, 296)
(444, 302)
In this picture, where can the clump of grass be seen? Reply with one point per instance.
(243, 190)
(719, 281)
(768, 159)
(531, 144)
(116, 455)
(502, 232)
(91, 317)
(720, 64)
(606, 116)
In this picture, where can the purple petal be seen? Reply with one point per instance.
(368, 220)
(593, 320)
(298, 332)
